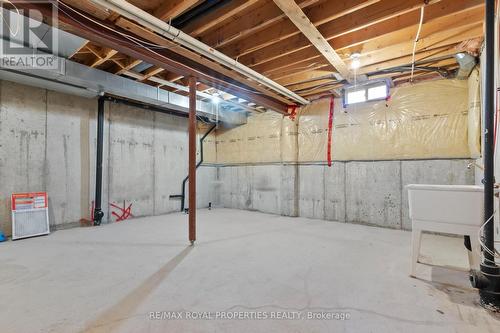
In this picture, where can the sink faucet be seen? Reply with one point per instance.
(474, 164)
(495, 185)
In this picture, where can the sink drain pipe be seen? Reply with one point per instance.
(489, 286)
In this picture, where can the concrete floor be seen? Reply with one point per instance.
(110, 278)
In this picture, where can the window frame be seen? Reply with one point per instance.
(365, 87)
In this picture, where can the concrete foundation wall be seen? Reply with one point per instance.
(269, 189)
(48, 143)
(355, 192)
(48, 140)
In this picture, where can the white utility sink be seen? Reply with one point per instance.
(452, 209)
(456, 204)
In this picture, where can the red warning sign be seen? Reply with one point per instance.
(27, 201)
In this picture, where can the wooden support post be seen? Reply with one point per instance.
(192, 159)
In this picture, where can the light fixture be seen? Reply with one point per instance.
(215, 98)
(355, 63)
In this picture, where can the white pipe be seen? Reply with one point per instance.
(155, 24)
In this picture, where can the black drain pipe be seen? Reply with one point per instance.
(184, 181)
(98, 214)
(489, 289)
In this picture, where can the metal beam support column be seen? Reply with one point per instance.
(98, 214)
(192, 159)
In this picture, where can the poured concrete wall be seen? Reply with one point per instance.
(269, 188)
(354, 192)
(48, 140)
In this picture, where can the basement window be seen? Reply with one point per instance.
(377, 92)
(366, 93)
(356, 96)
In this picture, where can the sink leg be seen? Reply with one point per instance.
(474, 255)
(416, 238)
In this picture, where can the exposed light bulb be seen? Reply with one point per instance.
(355, 63)
(215, 98)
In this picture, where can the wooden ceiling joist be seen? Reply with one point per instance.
(299, 65)
(439, 39)
(90, 8)
(165, 58)
(152, 71)
(210, 20)
(263, 16)
(170, 9)
(309, 75)
(379, 55)
(400, 43)
(300, 87)
(127, 65)
(108, 54)
(446, 12)
(294, 45)
(172, 77)
(357, 20)
(322, 66)
(446, 50)
(319, 14)
(161, 41)
(297, 16)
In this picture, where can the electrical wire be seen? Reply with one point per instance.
(417, 36)
(137, 41)
(494, 253)
(128, 36)
(14, 34)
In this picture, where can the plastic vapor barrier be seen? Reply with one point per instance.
(289, 142)
(258, 141)
(436, 119)
(474, 133)
(427, 120)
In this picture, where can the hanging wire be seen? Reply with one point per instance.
(140, 42)
(137, 41)
(493, 252)
(14, 34)
(417, 36)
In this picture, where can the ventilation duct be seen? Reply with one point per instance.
(466, 63)
(76, 79)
